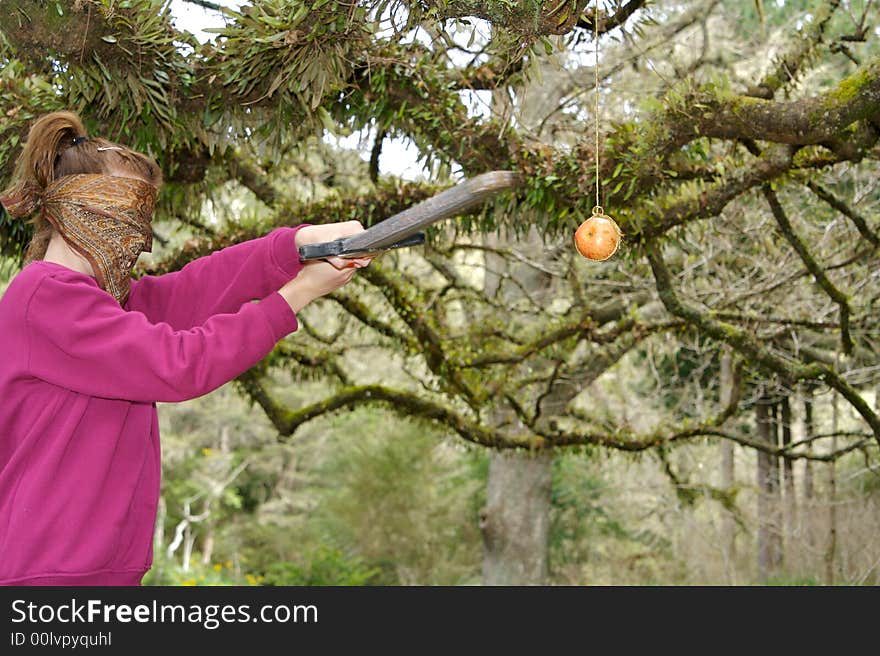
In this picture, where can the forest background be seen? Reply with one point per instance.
(491, 407)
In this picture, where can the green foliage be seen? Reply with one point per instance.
(388, 503)
(24, 95)
(793, 582)
(593, 539)
(402, 501)
(578, 518)
(324, 566)
(197, 574)
(296, 48)
(9, 267)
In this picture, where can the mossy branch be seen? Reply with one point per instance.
(417, 318)
(401, 402)
(678, 209)
(812, 266)
(525, 17)
(799, 122)
(789, 65)
(744, 343)
(845, 209)
(412, 406)
(250, 177)
(363, 313)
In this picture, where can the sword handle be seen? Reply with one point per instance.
(339, 248)
(320, 251)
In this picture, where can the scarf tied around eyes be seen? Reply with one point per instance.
(104, 218)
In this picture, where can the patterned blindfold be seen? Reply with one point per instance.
(104, 218)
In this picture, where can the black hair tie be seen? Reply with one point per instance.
(79, 140)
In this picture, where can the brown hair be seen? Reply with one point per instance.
(57, 145)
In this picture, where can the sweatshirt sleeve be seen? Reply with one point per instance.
(220, 282)
(80, 338)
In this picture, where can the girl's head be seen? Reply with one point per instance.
(57, 145)
(97, 195)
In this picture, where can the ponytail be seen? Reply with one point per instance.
(48, 138)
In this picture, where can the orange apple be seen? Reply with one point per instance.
(598, 237)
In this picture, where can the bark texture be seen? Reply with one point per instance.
(516, 519)
(769, 538)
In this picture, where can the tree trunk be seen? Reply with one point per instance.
(831, 550)
(159, 540)
(769, 555)
(808, 433)
(728, 525)
(516, 519)
(775, 490)
(188, 540)
(790, 507)
(515, 522)
(208, 544)
(808, 507)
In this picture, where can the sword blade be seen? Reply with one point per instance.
(402, 229)
(455, 200)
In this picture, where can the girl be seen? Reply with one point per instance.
(86, 352)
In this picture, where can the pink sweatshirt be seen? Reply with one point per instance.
(79, 380)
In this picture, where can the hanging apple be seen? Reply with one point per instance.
(598, 237)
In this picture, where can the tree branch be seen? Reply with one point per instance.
(712, 198)
(251, 178)
(375, 153)
(524, 18)
(615, 20)
(409, 405)
(418, 320)
(857, 219)
(404, 403)
(584, 329)
(812, 266)
(800, 122)
(789, 65)
(747, 345)
(363, 313)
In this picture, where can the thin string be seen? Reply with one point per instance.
(596, 69)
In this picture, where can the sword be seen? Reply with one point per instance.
(403, 228)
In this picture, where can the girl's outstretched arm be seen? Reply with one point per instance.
(218, 283)
(79, 338)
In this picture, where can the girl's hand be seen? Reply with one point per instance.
(314, 280)
(316, 234)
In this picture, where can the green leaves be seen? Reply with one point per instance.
(296, 52)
